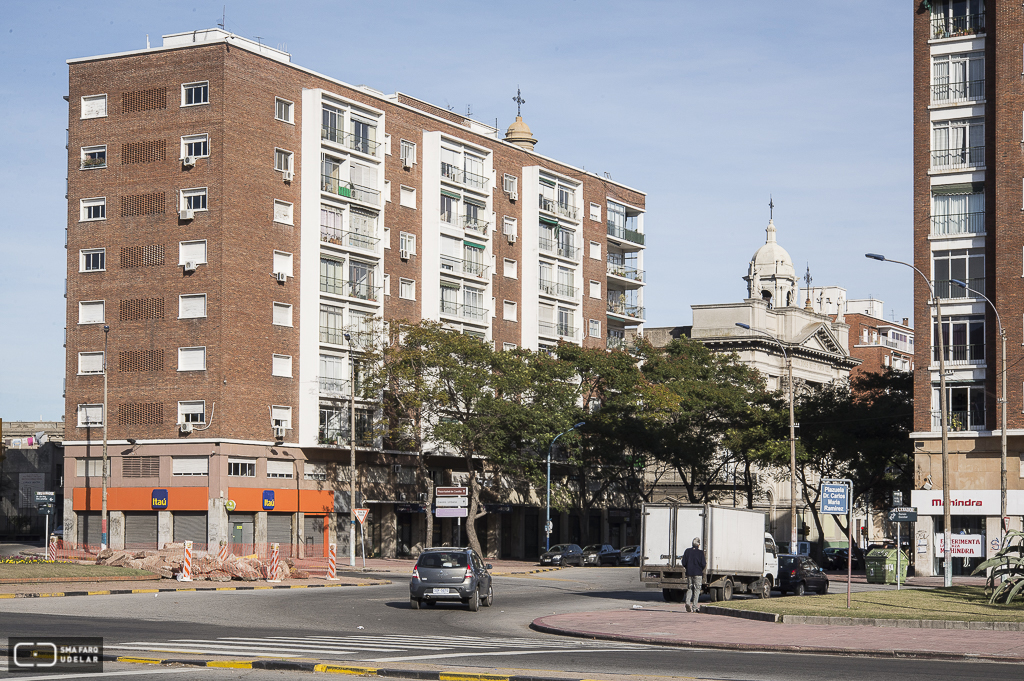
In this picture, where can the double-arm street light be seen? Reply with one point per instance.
(547, 520)
(793, 547)
(1002, 406)
(947, 562)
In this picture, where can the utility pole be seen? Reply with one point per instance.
(106, 419)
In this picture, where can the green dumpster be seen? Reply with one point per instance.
(880, 565)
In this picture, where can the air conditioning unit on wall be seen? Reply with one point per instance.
(185, 427)
(281, 276)
(186, 214)
(279, 432)
(188, 161)
(513, 195)
(190, 266)
(289, 175)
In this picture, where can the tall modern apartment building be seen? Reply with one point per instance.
(968, 227)
(236, 223)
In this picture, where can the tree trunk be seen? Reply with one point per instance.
(474, 505)
(429, 539)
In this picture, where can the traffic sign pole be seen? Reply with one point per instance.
(833, 502)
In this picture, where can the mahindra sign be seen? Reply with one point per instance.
(966, 502)
(961, 545)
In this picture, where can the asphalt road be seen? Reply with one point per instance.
(374, 625)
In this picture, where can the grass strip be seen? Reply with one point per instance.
(64, 570)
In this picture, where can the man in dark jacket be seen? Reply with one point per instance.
(693, 561)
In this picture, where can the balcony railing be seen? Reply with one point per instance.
(464, 311)
(335, 386)
(474, 224)
(552, 288)
(333, 185)
(352, 239)
(459, 266)
(94, 162)
(958, 223)
(556, 329)
(947, 289)
(552, 206)
(958, 91)
(346, 139)
(331, 335)
(960, 421)
(961, 354)
(902, 346)
(626, 310)
(953, 27)
(630, 235)
(625, 271)
(562, 250)
(615, 342)
(953, 159)
(450, 172)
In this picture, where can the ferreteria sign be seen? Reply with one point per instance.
(967, 502)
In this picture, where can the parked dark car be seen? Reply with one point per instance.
(600, 554)
(629, 555)
(451, 574)
(834, 558)
(800, 574)
(562, 554)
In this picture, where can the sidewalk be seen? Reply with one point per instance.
(673, 626)
(106, 588)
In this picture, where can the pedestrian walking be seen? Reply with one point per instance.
(693, 561)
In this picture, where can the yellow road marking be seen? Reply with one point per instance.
(140, 660)
(471, 677)
(230, 664)
(99, 593)
(145, 591)
(355, 671)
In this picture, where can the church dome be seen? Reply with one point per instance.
(772, 259)
(519, 134)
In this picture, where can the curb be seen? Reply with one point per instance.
(862, 621)
(775, 648)
(298, 666)
(122, 592)
(529, 572)
(109, 578)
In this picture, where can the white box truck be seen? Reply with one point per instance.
(740, 555)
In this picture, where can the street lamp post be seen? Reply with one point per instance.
(547, 520)
(352, 458)
(103, 477)
(793, 545)
(947, 562)
(1002, 406)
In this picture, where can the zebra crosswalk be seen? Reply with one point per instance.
(367, 648)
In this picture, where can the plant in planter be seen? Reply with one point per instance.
(1007, 567)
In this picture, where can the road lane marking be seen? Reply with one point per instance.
(491, 654)
(98, 675)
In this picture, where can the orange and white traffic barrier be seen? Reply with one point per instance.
(222, 554)
(186, 564)
(332, 562)
(275, 562)
(51, 548)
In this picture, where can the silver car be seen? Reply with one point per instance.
(451, 574)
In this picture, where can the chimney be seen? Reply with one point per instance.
(906, 321)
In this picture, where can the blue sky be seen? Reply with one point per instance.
(709, 107)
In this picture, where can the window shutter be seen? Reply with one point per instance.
(190, 465)
(94, 107)
(475, 202)
(279, 468)
(191, 251)
(90, 362)
(453, 195)
(191, 359)
(283, 414)
(282, 314)
(91, 312)
(192, 306)
(282, 365)
(283, 263)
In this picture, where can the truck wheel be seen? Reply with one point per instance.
(765, 590)
(668, 595)
(715, 594)
(726, 591)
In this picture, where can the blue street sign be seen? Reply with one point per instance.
(835, 499)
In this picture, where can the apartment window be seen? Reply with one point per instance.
(282, 314)
(965, 406)
(190, 465)
(958, 209)
(195, 93)
(407, 197)
(595, 212)
(449, 206)
(510, 228)
(192, 306)
(408, 153)
(282, 160)
(283, 263)
(94, 106)
(595, 289)
(595, 250)
(407, 289)
(958, 144)
(885, 360)
(387, 144)
(963, 340)
(92, 260)
(595, 328)
(90, 363)
(283, 110)
(242, 468)
(958, 77)
(966, 265)
(281, 417)
(90, 468)
(510, 184)
(90, 415)
(91, 312)
(193, 199)
(92, 209)
(192, 412)
(192, 359)
(407, 243)
(94, 157)
(510, 311)
(196, 146)
(387, 284)
(508, 346)
(192, 251)
(282, 212)
(281, 365)
(511, 268)
(315, 471)
(277, 468)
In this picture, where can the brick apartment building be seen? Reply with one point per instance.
(237, 222)
(878, 344)
(968, 226)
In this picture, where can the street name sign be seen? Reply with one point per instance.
(452, 502)
(44, 497)
(903, 514)
(451, 512)
(835, 499)
(450, 491)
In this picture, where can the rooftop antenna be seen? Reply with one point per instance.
(223, 17)
(147, 41)
(469, 110)
(259, 40)
(518, 99)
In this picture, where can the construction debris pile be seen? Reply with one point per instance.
(167, 563)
